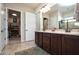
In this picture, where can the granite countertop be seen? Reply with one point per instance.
(61, 32)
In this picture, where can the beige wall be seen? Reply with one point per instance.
(2, 27)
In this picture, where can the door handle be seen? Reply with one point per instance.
(2, 31)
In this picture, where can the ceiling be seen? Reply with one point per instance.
(62, 9)
(53, 9)
(31, 6)
(34, 6)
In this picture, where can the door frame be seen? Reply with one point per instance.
(21, 25)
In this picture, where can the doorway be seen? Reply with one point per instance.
(45, 23)
(14, 25)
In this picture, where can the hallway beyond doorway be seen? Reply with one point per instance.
(14, 24)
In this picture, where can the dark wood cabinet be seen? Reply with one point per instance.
(55, 44)
(40, 39)
(70, 44)
(58, 44)
(37, 38)
(46, 41)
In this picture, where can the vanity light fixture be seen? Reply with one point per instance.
(76, 24)
(70, 20)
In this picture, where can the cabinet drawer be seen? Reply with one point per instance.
(46, 34)
(71, 37)
(36, 37)
(54, 35)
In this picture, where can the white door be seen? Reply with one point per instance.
(2, 27)
(30, 26)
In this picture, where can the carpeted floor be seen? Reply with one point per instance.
(32, 51)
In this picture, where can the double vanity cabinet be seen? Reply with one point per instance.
(58, 43)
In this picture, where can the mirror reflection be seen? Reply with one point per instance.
(60, 17)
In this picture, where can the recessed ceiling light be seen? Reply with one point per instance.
(14, 14)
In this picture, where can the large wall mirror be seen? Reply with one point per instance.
(68, 19)
(62, 17)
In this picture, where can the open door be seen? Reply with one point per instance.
(30, 26)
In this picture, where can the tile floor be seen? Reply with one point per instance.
(13, 47)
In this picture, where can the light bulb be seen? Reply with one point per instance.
(14, 14)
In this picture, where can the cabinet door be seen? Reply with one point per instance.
(40, 39)
(55, 44)
(36, 38)
(46, 41)
(70, 45)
